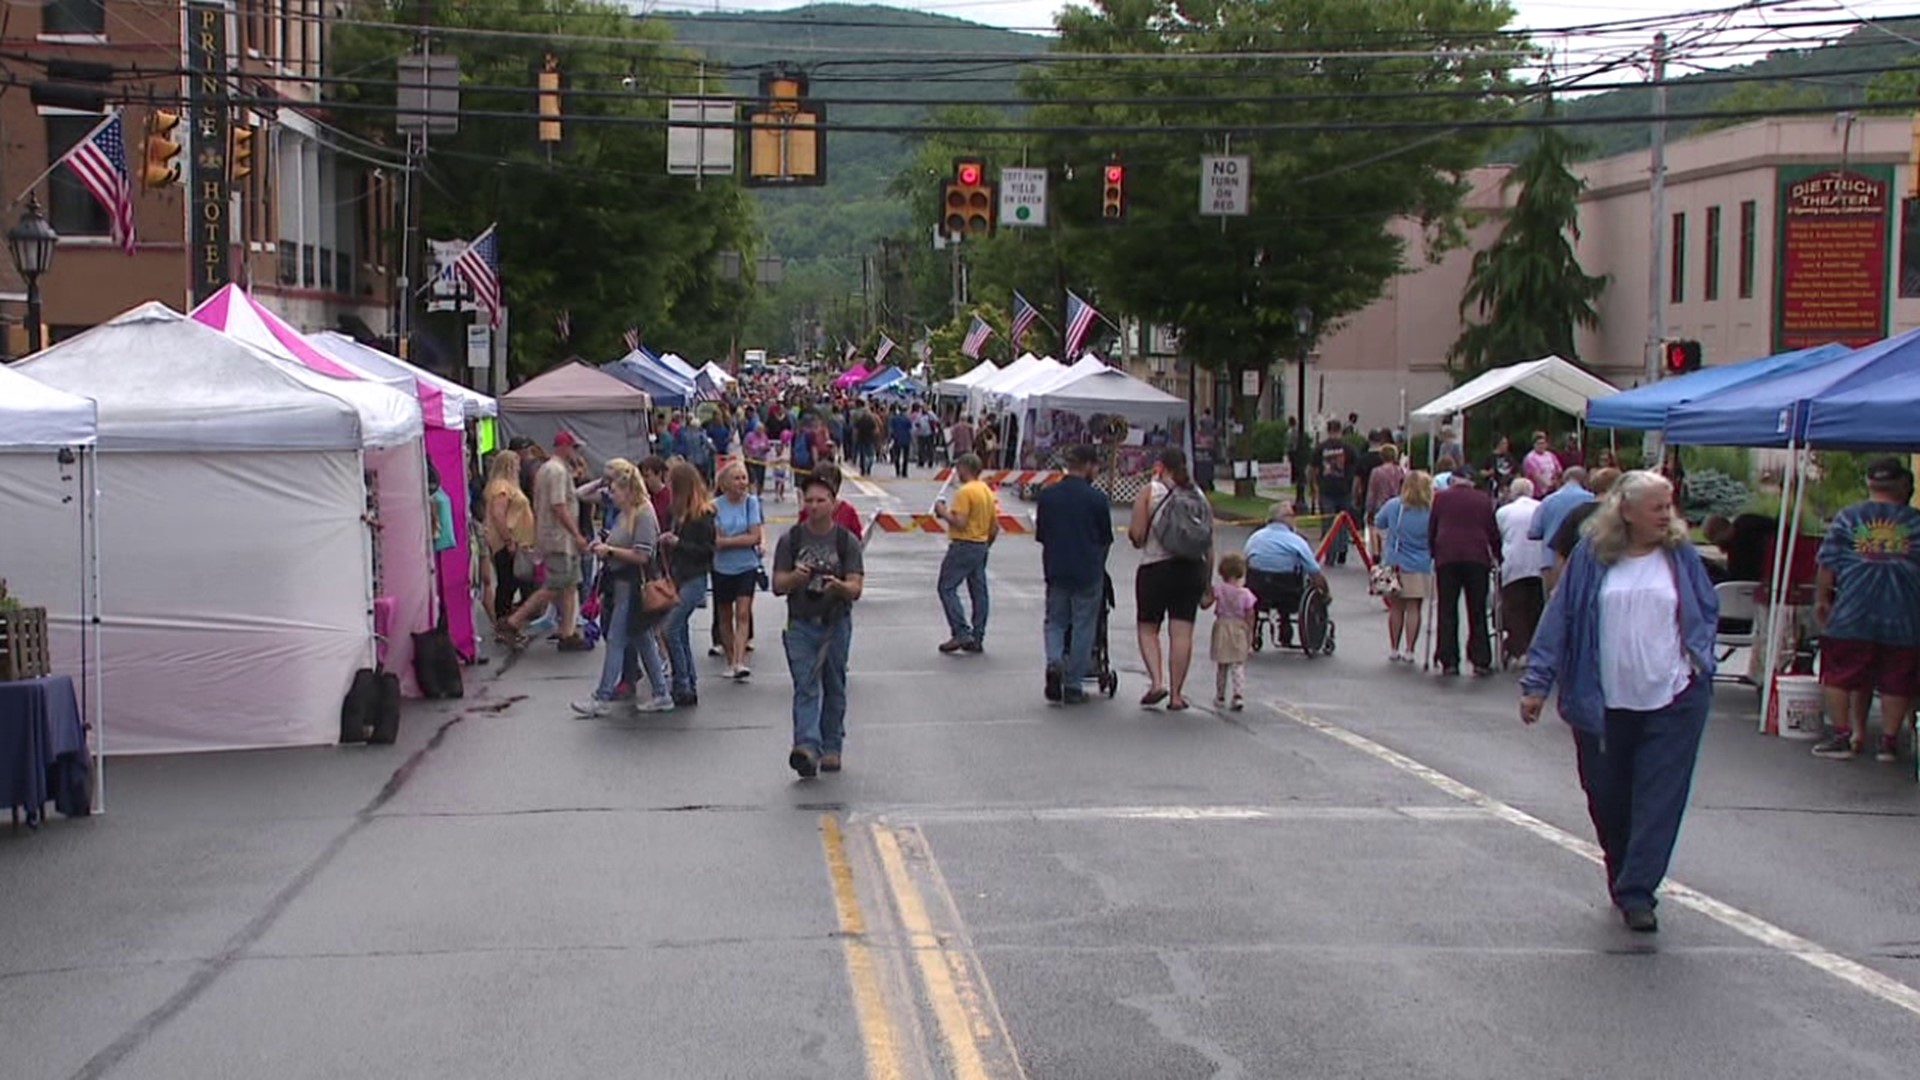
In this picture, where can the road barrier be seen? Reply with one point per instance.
(1009, 477)
(889, 522)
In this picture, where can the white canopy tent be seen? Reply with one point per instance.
(239, 499)
(1560, 383)
(718, 374)
(44, 434)
(1010, 392)
(982, 393)
(960, 385)
(680, 367)
(1116, 393)
(1085, 366)
(461, 403)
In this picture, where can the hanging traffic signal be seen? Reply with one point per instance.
(159, 169)
(240, 160)
(1683, 357)
(1113, 192)
(548, 100)
(968, 202)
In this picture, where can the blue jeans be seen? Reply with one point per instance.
(966, 561)
(1075, 610)
(623, 643)
(1332, 506)
(1636, 777)
(679, 640)
(817, 659)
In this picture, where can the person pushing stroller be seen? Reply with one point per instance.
(1074, 526)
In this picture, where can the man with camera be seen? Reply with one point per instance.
(818, 567)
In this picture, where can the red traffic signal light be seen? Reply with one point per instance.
(1682, 357)
(969, 173)
(1113, 194)
(968, 203)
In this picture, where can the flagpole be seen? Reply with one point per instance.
(49, 170)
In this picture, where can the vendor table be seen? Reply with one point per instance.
(39, 727)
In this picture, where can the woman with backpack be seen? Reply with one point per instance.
(1173, 528)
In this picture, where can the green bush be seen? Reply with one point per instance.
(1269, 442)
(1732, 461)
(1710, 491)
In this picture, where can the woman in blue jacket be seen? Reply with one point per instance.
(1628, 638)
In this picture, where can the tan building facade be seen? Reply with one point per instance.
(1778, 233)
(311, 227)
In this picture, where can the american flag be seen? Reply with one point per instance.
(632, 338)
(847, 351)
(100, 160)
(564, 323)
(1024, 315)
(1080, 317)
(977, 335)
(885, 350)
(479, 265)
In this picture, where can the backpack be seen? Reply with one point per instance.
(1184, 524)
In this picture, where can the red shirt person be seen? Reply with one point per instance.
(1465, 541)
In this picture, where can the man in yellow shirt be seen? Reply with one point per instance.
(973, 521)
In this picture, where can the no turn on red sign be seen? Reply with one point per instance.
(1224, 185)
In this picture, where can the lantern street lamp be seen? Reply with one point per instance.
(31, 242)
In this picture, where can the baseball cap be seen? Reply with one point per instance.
(565, 438)
(1082, 455)
(519, 442)
(1887, 470)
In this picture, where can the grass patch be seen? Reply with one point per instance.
(1228, 505)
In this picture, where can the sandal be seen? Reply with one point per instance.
(1179, 706)
(1154, 696)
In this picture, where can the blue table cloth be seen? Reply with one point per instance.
(40, 733)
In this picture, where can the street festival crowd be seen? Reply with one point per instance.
(1602, 595)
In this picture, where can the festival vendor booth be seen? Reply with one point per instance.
(1560, 383)
(1856, 398)
(608, 416)
(393, 428)
(49, 481)
(449, 410)
(681, 370)
(1129, 420)
(715, 379)
(1644, 408)
(852, 377)
(883, 380)
(237, 540)
(646, 374)
(961, 386)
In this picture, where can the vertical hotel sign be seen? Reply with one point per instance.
(209, 230)
(1834, 251)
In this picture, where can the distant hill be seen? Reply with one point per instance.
(1801, 73)
(854, 209)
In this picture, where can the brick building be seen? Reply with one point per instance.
(312, 227)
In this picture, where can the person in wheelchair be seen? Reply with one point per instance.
(1280, 567)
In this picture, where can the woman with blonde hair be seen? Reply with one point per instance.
(1628, 638)
(688, 542)
(1405, 548)
(508, 526)
(739, 528)
(629, 554)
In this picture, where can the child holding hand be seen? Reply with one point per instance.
(1232, 603)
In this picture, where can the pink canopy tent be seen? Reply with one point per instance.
(446, 408)
(406, 537)
(853, 376)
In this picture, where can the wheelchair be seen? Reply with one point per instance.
(1291, 613)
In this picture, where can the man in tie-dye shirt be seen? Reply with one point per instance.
(1868, 608)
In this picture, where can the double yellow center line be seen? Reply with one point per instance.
(972, 1031)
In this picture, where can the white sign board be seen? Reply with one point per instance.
(1223, 185)
(1250, 382)
(1023, 198)
(480, 346)
(702, 151)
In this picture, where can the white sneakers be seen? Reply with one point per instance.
(657, 705)
(1398, 657)
(593, 707)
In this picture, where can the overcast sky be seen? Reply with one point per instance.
(1716, 41)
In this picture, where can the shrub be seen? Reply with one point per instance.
(1269, 442)
(1710, 491)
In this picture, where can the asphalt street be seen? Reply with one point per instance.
(1371, 872)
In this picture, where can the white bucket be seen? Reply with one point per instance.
(1796, 709)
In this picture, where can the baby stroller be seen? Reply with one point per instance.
(1101, 664)
(1291, 613)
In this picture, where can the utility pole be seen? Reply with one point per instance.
(1657, 197)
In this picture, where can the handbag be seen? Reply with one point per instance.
(659, 596)
(1383, 580)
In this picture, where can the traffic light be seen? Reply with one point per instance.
(549, 100)
(240, 161)
(968, 202)
(159, 168)
(1683, 357)
(1113, 192)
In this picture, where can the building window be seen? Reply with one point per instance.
(1713, 254)
(1677, 269)
(71, 210)
(74, 17)
(1749, 225)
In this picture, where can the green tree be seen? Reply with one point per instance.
(1748, 97)
(1323, 201)
(593, 227)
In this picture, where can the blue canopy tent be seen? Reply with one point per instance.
(1772, 411)
(884, 380)
(662, 387)
(1872, 410)
(1645, 408)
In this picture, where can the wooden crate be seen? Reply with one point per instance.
(23, 644)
